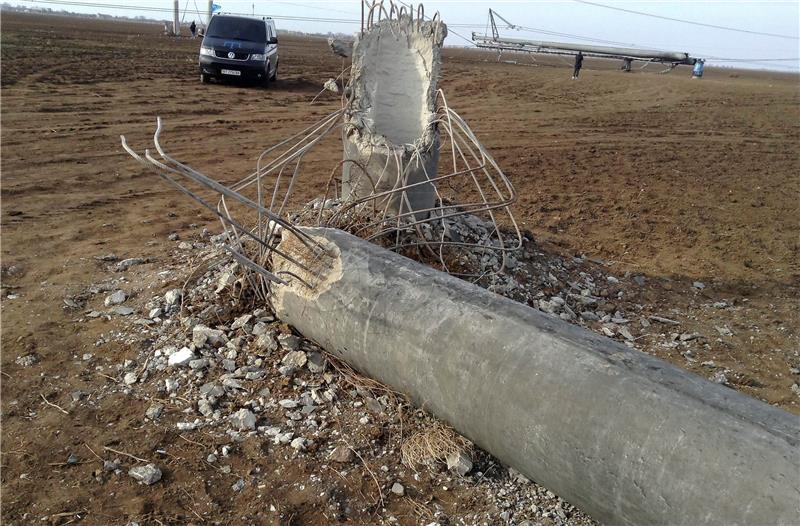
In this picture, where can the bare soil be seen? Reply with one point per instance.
(676, 179)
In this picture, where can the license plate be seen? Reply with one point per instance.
(234, 72)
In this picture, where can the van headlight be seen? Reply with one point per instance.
(258, 56)
(207, 51)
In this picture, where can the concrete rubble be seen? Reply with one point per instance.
(245, 369)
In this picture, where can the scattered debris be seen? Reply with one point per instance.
(116, 298)
(148, 474)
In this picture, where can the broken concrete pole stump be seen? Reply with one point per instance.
(630, 439)
(391, 137)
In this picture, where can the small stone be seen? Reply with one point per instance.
(299, 443)
(232, 383)
(115, 298)
(73, 459)
(205, 408)
(125, 264)
(517, 476)
(255, 375)
(110, 465)
(720, 305)
(612, 280)
(398, 489)
(200, 363)
(173, 297)
(130, 378)
(724, 331)
(639, 280)
(666, 321)
(243, 420)
(687, 337)
(122, 310)
(626, 334)
(286, 370)
(27, 360)
(316, 362)
(154, 412)
(289, 342)
(148, 474)
(211, 458)
(226, 279)
(260, 328)
(295, 359)
(459, 463)
(720, 378)
(202, 335)
(155, 313)
(185, 245)
(589, 316)
(181, 357)
(373, 405)
(173, 236)
(238, 486)
(212, 389)
(288, 404)
(229, 365)
(265, 342)
(171, 385)
(699, 285)
(341, 454)
(241, 321)
(186, 426)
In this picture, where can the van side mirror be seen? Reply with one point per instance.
(273, 40)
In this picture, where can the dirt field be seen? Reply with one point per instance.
(675, 179)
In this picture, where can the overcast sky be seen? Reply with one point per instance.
(564, 16)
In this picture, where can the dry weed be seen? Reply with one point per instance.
(432, 445)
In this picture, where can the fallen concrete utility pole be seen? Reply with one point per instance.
(628, 438)
(517, 44)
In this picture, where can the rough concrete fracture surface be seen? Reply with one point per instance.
(390, 129)
(629, 438)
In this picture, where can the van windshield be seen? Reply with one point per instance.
(237, 29)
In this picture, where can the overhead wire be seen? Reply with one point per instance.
(128, 7)
(684, 21)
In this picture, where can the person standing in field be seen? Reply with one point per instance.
(193, 29)
(578, 65)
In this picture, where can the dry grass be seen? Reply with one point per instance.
(432, 445)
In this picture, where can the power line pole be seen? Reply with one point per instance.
(176, 20)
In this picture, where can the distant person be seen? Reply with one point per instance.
(193, 29)
(578, 65)
(697, 71)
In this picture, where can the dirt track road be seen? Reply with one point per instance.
(676, 179)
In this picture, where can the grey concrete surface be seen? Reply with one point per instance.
(630, 439)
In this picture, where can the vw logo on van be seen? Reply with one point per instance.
(231, 54)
